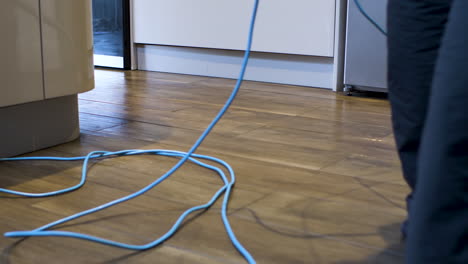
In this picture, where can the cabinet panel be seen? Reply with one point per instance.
(20, 58)
(67, 47)
(302, 27)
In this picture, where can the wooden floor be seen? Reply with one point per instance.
(318, 177)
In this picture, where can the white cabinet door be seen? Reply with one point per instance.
(67, 47)
(20, 52)
(305, 27)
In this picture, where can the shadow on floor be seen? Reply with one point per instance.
(393, 253)
(20, 173)
(395, 249)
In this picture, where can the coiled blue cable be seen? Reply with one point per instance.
(185, 156)
(41, 231)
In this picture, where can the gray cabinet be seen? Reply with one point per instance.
(366, 47)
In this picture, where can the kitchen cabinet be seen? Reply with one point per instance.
(46, 55)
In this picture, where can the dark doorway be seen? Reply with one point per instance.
(111, 25)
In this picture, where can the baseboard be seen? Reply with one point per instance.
(265, 67)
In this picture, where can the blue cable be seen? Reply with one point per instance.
(227, 188)
(73, 188)
(40, 231)
(369, 18)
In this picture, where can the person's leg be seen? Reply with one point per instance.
(415, 30)
(439, 227)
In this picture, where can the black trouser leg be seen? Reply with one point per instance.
(439, 229)
(415, 29)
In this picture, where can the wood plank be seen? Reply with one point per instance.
(318, 178)
(96, 122)
(342, 220)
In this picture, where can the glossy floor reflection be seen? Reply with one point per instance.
(318, 176)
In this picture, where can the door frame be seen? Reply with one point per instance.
(127, 39)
